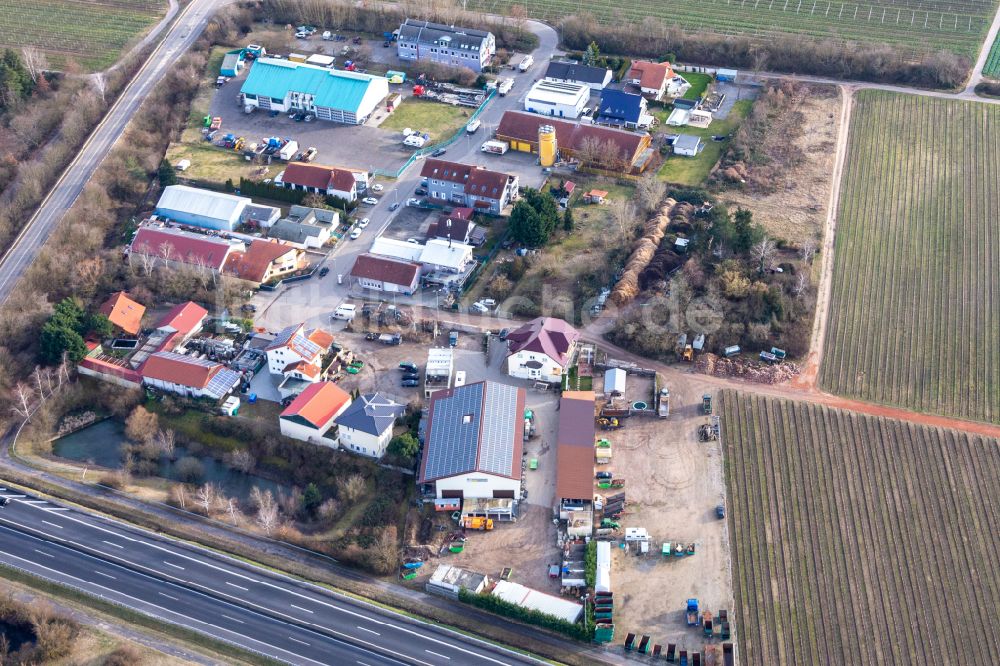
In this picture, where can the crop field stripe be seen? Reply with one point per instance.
(992, 66)
(913, 316)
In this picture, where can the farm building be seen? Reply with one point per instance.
(726, 74)
(446, 581)
(188, 376)
(312, 413)
(212, 210)
(621, 109)
(173, 247)
(329, 94)
(469, 186)
(446, 45)
(475, 434)
(688, 145)
(575, 447)
(232, 63)
(124, 313)
(520, 130)
(331, 181)
(264, 260)
(614, 381)
(394, 276)
(541, 349)
(567, 71)
(525, 597)
(562, 100)
(365, 427)
(305, 227)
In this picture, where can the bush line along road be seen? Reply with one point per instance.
(231, 601)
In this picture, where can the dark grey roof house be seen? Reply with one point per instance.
(445, 45)
(365, 427)
(568, 71)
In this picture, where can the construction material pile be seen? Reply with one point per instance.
(653, 231)
(744, 368)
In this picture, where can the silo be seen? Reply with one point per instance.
(548, 147)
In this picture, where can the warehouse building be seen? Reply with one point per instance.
(562, 100)
(631, 150)
(329, 94)
(212, 210)
(475, 435)
(446, 45)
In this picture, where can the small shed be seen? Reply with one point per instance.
(232, 63)
(595, 196)
(614, 381)
(681, 245)
(688, 145)
(320, 60)
(447, 581)
(230, 407)
(726, 74)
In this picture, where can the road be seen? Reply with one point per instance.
(35, 233)
(248, 606)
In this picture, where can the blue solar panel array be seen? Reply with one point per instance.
(499, 429)
(453, 441)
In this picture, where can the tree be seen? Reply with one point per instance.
(808, 250)
(166, 174)
(592, 55)
(623, 215)
(34, 62)
(56, 340)
(404, 446)
(351, 488)
(15, 80)
(763, 253)
(141, 425)
(99, 325)
(649, 191)
(526, 225)
(311, 500)
(165, 442)
(206, 496)
(500, 287)
(745, 232)
(267, 517)
(568, 220)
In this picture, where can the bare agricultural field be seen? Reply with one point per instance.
(91, 33)
(859, 539)
(915, 304)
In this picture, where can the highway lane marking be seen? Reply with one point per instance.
(56, 508)
(298, 641)
(101, 573)
(171, 564)
(300, 608)
(42, 552)
(52, 524)
(436, 654)
(164, 594)
(368, 630)
(245, 589)
(232, 618)
(16, 497)
(116, 545)
(35, 502)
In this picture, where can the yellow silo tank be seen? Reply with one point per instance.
(548, 148)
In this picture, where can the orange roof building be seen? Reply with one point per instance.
(124, 313)
(312, 413)
(263, 260)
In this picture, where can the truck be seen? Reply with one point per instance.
(526, 63)
(706, 403)
(477, 523)
(452, 338)
(692, 612)
(768, 357)
(663, 403)
(495, 147)
(473, 126)
(504, 85)
(288, 151)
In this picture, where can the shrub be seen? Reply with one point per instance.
(530, 617)
(190, 469)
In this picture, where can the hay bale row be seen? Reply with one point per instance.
(653, 231)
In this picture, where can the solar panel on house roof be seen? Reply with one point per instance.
(453, 441)
(497, 447)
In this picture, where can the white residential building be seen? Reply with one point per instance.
(298, 354)
(311, 415)
(562, 100)
(365, 427)
(541, 349)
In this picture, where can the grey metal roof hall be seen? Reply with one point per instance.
(474, 428)
(372, 413)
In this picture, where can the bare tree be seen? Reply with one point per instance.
(801, 284)
(763, 253)
(808, 250)
(34, 61)
(350, 489)
(650, 191)
(261, 499)
(24, 395)
(233, 509)
(128, 466)
(623, 215)
(147, 261)
(179, 494)
(100, 85)
(242, 460)
(267, 518)
(165, 441)
(206, 497)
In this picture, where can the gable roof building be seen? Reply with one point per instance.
(541, 349)
(521, 131)
(448, 45)
(202, 208)
(568, 71)
(186, 375)
(329, 94)
(321, 179)
(312, 413)
(365, 427)
(298, 353)
(386, 274)
(469, 186)
(575, 446)
(652, 78)
(263, 260)
(621, 109)
(474, 441)
(164, 245)
(123, 312)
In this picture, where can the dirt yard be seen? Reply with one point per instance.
(798, 212)
(674, 483)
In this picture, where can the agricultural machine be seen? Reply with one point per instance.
(706, 403)
(607, 423)
(477, 523)
(692, 612)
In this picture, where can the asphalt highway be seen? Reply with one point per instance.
(248, 606)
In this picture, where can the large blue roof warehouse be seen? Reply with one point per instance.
(329, 94)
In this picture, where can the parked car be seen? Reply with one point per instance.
(394, 206)
(411, 375)
(413, 241)
(249, 307)
(414, 203)
(355, 233)
(409, 383)
(377, 187)
(439, 152)
(309, 155)
(420, 191)
(363, 222)
(503, 333)
(408, 367)
(369, 201)
(603, 475)
(324, 271)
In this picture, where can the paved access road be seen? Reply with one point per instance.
(274, 615)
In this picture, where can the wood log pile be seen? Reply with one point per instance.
(744, 368)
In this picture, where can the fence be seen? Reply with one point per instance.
(426, 150)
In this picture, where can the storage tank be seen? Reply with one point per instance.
(548, 148)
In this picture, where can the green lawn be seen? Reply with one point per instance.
(439, 120)
(694, 170)
(699, 83)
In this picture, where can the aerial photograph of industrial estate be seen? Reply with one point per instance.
(499, 332)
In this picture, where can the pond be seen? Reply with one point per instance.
(101, 444)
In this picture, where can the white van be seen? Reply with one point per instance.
(345, 311)
(473, 126)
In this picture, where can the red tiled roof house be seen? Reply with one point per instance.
(386, 274)
(312, 413)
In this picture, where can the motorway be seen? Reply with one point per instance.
(247, 606)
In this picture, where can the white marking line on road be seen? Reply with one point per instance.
(232, 618)
(368, 630)
(245, 589)
(164, 594)
(35, 502)
(101, 573)
(300, 608)
(56, 508)
(116, 545)
(52, 524)
(437, 655)
(42, 552)
(298, 641)
(362, 663)
(171, 564)
(17, 497)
